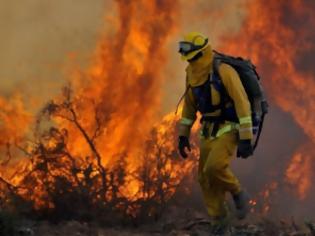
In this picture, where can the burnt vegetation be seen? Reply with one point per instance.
(57, 184)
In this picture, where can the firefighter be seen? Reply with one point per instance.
(220, 134)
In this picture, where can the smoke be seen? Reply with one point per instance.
(39, 38)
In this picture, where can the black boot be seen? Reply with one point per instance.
(241, 201)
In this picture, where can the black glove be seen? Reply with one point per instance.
(245, 148)
(183, 143)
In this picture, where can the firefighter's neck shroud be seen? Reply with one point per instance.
(198, 71)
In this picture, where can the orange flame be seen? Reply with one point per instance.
(299, 172)
(111, 113)
(124, 84)
(125, 80)
(14, 120)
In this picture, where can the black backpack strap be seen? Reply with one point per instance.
(217, 83)
(264, 105)
(224, 99)
(259, 131)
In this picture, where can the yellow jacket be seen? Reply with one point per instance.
(197, 73)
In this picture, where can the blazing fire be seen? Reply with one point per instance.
(101, 144)
(104, 143)
(14, 120)
(298, 178)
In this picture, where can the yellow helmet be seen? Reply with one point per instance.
(193, 43)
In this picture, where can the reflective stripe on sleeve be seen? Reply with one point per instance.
(186, 121)
(245, 120)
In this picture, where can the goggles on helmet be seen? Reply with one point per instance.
(188, 47)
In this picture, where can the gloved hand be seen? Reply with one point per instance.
(183, 143)
(245, 148)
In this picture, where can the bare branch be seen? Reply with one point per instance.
(97, 131)
(8, 155)
(92, 147)
(23, 150)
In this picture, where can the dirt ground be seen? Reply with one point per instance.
(192, 227)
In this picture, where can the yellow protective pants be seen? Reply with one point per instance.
(214, 173)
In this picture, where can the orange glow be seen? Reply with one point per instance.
(106, 123)
(14, 119)
(299, 172)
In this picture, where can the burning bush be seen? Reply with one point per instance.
(96, 151)
(57, 184)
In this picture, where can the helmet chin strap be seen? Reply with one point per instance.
(195, 58)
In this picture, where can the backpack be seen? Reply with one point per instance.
(251, 82)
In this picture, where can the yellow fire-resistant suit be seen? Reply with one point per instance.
(215, 175)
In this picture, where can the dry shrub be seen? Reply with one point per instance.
(58, 185)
